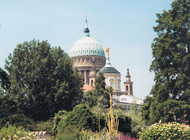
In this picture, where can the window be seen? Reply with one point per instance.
(92, 82)
(111, 84)
(118, 84)
(127, 88)
(87, 76)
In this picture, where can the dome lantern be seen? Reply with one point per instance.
(87, 46)
(86, 29)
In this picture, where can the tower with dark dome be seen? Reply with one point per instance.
(111, 74)
(88, 57)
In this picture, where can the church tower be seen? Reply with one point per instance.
(128, 84)
(111, 74)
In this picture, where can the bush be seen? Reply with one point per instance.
(124, 121)
(124, 124)
(17, 120)
(80, 117)
(13, 132)
(137, 123)
(70, 133)
(62, 114)
(43, 126)
(166, 131)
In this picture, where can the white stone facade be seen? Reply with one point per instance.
(113, 80)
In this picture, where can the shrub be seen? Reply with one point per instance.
(166, 131)
(80, 117)
(43, 126)
(124, 124)
(17, 120)
(124, 121)
(13, 132)
(137, 123)
(70, 133)
(62, 114)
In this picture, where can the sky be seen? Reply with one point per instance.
(125, 26)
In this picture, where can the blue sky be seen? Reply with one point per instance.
(126, 26)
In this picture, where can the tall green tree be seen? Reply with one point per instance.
(4, 80)
(171, 53)
(100, 95)
(100, 85)
(42, 79)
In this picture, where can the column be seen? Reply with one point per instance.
(85, 77)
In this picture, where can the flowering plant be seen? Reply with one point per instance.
(166, 131)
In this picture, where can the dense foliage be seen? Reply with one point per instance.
(8, 109)
(91, 118)
(42, 80)
(171, 64)
(164, 131)
(99, 97)
(4, 80)
(137, 123)
(13, 132)
(81, 117)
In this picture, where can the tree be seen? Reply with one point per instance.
(100, 85)
(171, 53)
(137, 122)
(42, 79)
(8, 109)
(100, 95)
(4, 80)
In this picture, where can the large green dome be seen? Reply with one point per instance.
(87, 46)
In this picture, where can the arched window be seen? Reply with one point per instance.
(112, 83)
(127, 88)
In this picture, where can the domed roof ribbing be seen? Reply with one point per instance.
(87, 46)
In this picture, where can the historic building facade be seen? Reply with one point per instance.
(89, 58)
(111, 74)
(113, 79)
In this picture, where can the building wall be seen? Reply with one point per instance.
(86, 64)
(127, 101)
(113, 80)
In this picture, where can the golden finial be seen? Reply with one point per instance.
(108, 53)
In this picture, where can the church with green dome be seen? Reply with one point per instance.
(89, 58)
